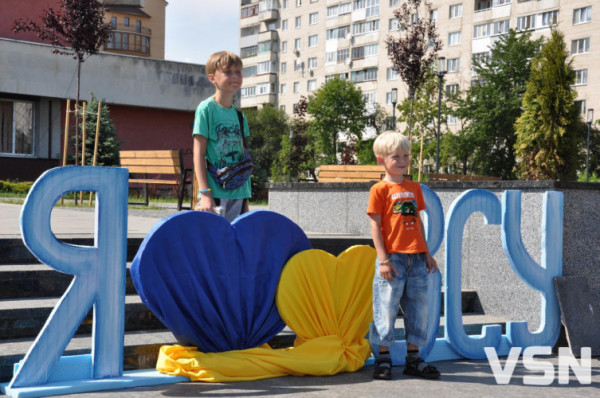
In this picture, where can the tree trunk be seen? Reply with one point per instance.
(77, 116)
(421, 157)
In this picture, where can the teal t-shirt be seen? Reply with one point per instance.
(224, 147)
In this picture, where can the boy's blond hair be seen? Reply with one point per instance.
(389, 142)
(222, 60)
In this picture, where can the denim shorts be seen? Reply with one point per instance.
(409, 289)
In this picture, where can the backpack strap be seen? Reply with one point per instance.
(241, 120)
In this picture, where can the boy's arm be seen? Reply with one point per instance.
(386, 268)
(206, 203)
(430, 262)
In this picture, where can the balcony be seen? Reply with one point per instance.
(268, 15)
(128, 43)
(123, 3)
(131, 29)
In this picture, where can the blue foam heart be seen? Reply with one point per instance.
(213, 283)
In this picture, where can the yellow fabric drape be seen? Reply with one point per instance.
(326, 301)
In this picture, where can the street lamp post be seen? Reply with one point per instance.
(394, 102)
(590, 120)
(441, 73)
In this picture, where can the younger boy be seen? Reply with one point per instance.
(403, 260)
(218, 137)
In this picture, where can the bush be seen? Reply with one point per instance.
(15, 187)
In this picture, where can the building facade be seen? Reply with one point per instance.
(151, 101)
(291, 47)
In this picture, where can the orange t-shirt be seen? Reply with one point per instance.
(399, 206)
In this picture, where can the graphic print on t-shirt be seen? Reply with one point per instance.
(407, 210)
(229, 144)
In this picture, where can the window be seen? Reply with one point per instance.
(394, 3)
(481, 57)
(249, 11)
(284, 5)
(298, 22)
(452, 119)
(312, 63)
(126, 22)
(283, 67)
(297, 43)
(113, 22)
(296, 87)
(298, 3)
(358, 52)
(313, 18)
(265, 46)
(298, 65)
(343, 55)
(16, 129)
(359, 4)
(526, 22)
(581, 77)
(501, 2)
(433, 15)
(451, 89)
(248, 91)
(365, 51)
(370, 97)
(263, 88)
(455, 11)
(339, 9)
(282, 107)
(364, 75)
(372, 7)
(582, 15)
(388, 98)
(453, 38)
(138, 26)
(549, 18)
(263, 67)
(501, 27)
(284, 25)
(453, 65)
(394, 24)
(330, 57)
(311, 85)
(580, 46)
(392, 74)
(338, 33)
(581, 106)
(249, 71)
(284, 46)
(248, 51)
(481, 5)
(365, 27)
(250, 31)
(313, 40)
(483, 30)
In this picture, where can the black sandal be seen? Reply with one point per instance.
(383, 369)
(420, 368)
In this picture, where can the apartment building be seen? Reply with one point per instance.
(291, 47)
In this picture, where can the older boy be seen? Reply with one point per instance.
(218, 137)
(403, 260)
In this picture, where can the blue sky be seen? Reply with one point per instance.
(197, 28)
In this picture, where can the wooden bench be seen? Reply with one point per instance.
(156, 164)
(350, 173)
(460, 177)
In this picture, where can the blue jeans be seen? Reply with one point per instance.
(409, 289)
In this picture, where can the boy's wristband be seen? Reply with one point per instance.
(201, 191)
(385, 262)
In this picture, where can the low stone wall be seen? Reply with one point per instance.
(340, 208)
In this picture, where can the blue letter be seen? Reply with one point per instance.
(99, 271)
(538, 277)
(461, 209)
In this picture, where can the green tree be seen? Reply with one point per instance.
(424, 116)
(336, 107)
(549, 129)
(493, 104)
(109, 143)
(296, 159)
(267, 126)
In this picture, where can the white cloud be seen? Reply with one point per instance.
(197, 28)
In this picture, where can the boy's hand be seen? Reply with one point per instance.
(388, 271)
(431, 264)
(206, 204)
